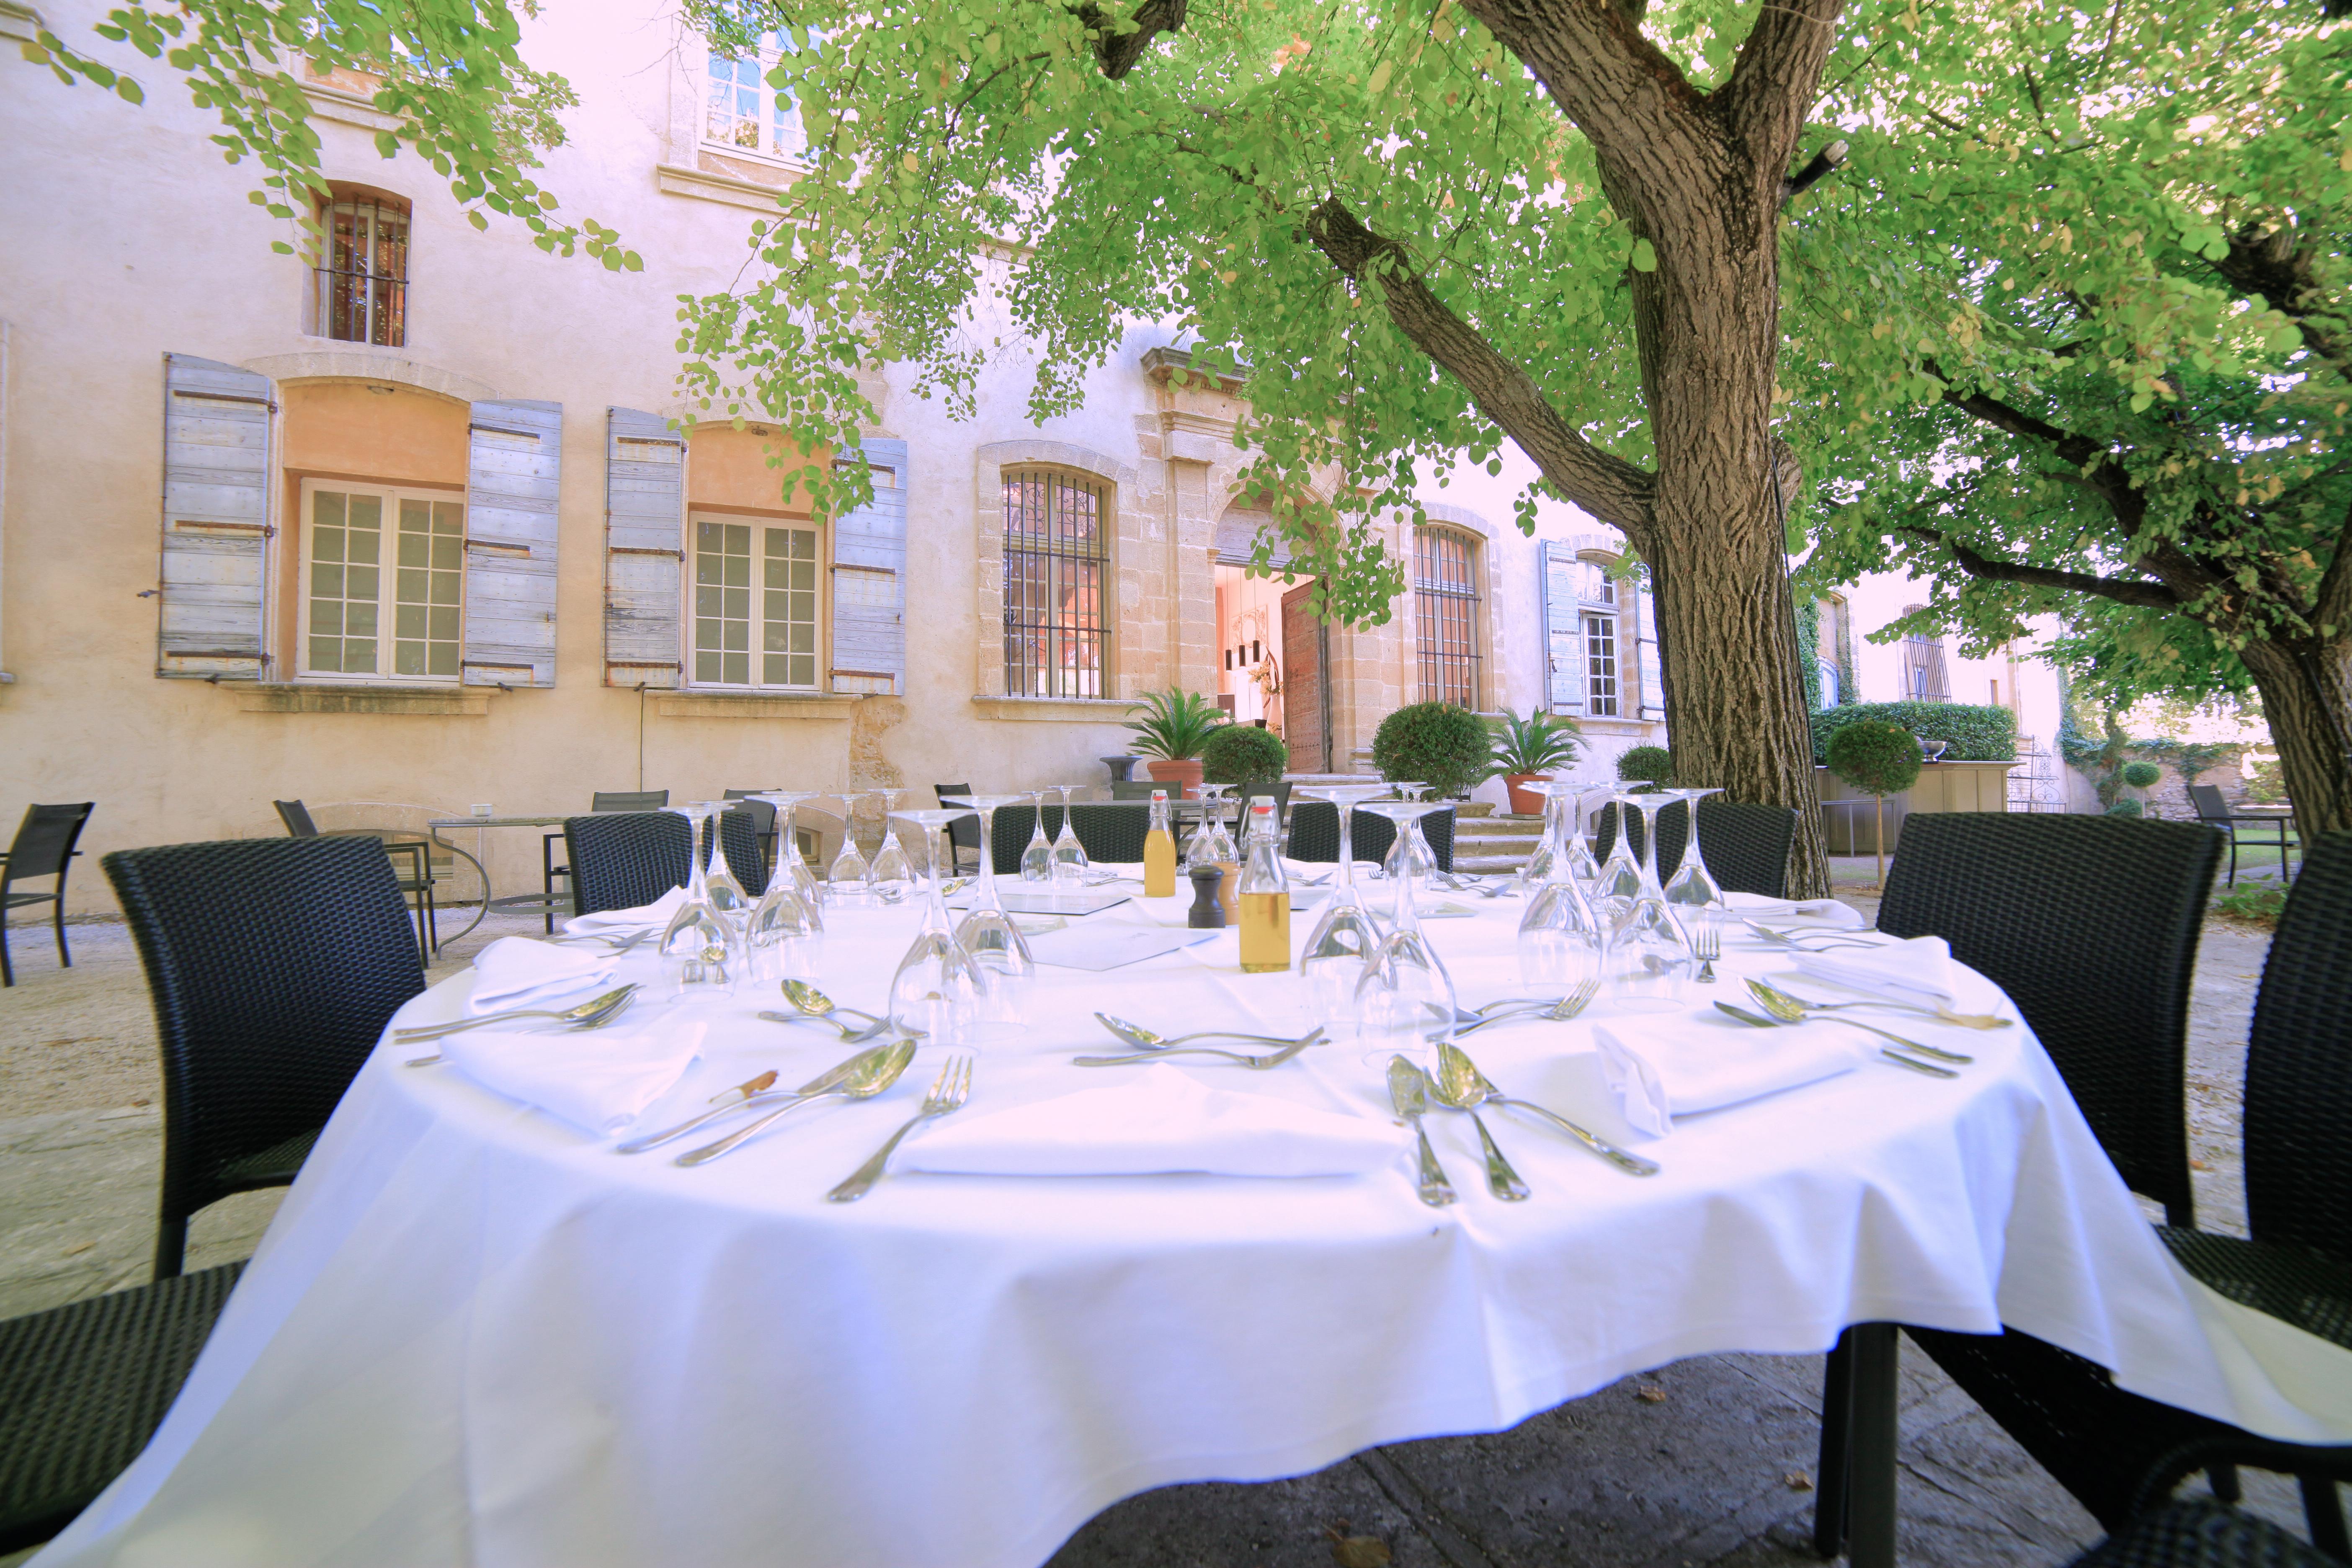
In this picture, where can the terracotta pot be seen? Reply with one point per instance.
(1186, 773)
(1525, 802)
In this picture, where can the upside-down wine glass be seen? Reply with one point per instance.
(1410, 852)
(936, 992)
(1552, 844)
(1406, 999)
(1037, 856)
(1211, 843)
(701, 950)
(1069, 855)
(845, 880)
(1562, 940)
(1692, 885)
(784, 938)
(1649, 954)
(987, 932)
(891, 875)
(1620, 876)
(788, 844)
(1332, 962)
(727, 895)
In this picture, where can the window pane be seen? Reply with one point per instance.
(1445, 617)
(722, 603)
(1601, 665)
(1056, 579)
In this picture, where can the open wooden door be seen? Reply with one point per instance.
(1306, 695)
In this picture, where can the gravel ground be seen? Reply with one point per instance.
(1707, 1461)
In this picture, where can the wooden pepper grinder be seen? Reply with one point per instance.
(1208, 912)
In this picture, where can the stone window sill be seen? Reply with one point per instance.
(692, 704)
(444, 701)
(1056, 709)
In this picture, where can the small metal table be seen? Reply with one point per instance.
(547, 901)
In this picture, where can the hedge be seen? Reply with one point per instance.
(1978, 732)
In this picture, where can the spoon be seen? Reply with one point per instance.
(807, 998)
(1465, 1092)
(1793, 1010)
(1142, 1039)
(589, 1014)
(849, 1036)
(1760, 1022)
(829, 1078)
(1778, 1002)
(869, 1075)
(1456, 1064)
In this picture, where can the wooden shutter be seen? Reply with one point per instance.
(645, 538)
(214, 586)
(869, 580)
(1563, 628)
(1653, 685)
(511, 485)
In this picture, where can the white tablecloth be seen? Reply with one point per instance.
(476, 1335)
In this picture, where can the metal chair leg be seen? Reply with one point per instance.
(1832, 1474)
(2324, 1515)
(64, 954)
(7, 975)
(170, 1246)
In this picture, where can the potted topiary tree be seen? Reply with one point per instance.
(1527, 751)
(1646, 764)
(1243, 754)
(2137, 775)
(1174, 727)
(1434, 743)
(1879, 760)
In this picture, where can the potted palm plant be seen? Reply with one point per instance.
(1174, 727)
(1527, 751)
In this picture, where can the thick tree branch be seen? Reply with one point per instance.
(2122, 590)
(1612, 83)
(2332, 606)
(1608, 487)
(1774, 79)
(1117, 52)
(2278, 266)
(2093, 460)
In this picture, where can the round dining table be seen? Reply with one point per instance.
(476, 1333)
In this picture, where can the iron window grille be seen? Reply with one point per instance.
(1056, 581)
(1925, 679)
(1445, 604)
(364, 283)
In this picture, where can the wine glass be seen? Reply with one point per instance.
(1410, 854)
(890, 875)
(987, 932)
(784, 938)
(1620, 877)
(1648, 954)
(1405, 999)
(1562, 940)
(727, 895)
(845, 878)
(1341, 944)
(1552, 844)
(1694, 886)
(1037, 856)
(789, 863)
(1211, 843)
(936, 992)
(1069, 855)
(701, 950)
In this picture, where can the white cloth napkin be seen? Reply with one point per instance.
(1814, 911)
(518, 972)
(607, 923)
(1917, 971)
(1156, 1121)
(599, 1081)
(1684, 1064)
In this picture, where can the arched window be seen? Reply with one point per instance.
(363, 275)
(1056, 584)
(1445, 615)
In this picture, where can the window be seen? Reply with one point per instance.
(1925, 679)
(1601, 665)
(755, 605)
(1056, 578)
(1445, 606)
(744, 114)
(383, 607)
(364, 273)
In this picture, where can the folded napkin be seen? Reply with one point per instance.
(1684, 1064)
(1918, 970)
(607, 923)
(518, 972)
(599, 1081)
(1157, 1121)
(1814, 911)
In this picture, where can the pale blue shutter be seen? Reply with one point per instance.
(214, 589)
(869, 580)
(511, 486)
(1653, 685)
(1563, 629)
(645, 538)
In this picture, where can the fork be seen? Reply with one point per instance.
(1273, 1059)
(949, 1092)
(1567, 1007)
(1707, 946)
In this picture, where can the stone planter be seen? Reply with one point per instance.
(1185, 773)
(1525, 802)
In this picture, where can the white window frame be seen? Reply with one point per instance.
(387, 602)
(784, 141)
(821, 562)
(1599, 598)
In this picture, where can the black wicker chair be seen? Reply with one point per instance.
(625, 859)
(763, 823)
(44, 846)
(273, 964)
(1107, 831)
(2120, 1453)
(603, 801)
(415, 880)
(963, 833)
(1314, 835)
(1674, 830)
(83, 1386)
(743, 845)
(1747, 845)
(2195, 1533)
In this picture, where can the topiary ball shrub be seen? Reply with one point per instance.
(1243, 753)
(2140, 775)
(1646, 764)
(1876, 759)
(2124, 808)
(1436, 743)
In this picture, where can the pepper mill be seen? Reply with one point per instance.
(1206, 913)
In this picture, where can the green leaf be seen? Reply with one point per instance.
(1645, 256)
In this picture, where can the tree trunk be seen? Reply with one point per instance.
(2307, 702)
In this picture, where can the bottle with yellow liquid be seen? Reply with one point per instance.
(1265, 896)
(1158, 851)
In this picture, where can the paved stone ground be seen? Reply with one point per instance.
(1707, 1461)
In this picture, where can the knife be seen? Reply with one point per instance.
(1409, 1092)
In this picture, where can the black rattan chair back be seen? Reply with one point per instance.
(963, 833)
(1315, 834)
(1278, 793)
(605, 800)
(1747, 846)
(2090, 924)
(2298, 1097)
(1112, 831)
(273, 964)
(296, 819)
(624, 860)
(738, 840)
(1140, 789)
(1674, 830)
(1016, 824)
